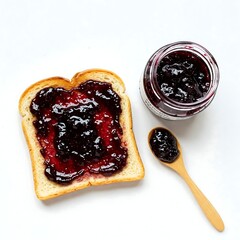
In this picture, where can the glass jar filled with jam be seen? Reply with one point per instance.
(179, 80)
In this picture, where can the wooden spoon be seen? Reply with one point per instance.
(178, 166)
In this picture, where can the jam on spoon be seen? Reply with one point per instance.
(164, 145)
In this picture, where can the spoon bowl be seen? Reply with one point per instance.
(178, 166)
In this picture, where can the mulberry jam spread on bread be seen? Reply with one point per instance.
(79, 133)
(79, 130)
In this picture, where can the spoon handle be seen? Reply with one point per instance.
(208, 209)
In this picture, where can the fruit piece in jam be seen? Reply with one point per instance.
(79, 131)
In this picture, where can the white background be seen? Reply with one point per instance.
(40, 39)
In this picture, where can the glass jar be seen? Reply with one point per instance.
(172, 108)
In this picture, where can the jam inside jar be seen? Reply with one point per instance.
(179, 80)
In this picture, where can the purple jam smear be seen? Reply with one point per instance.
(183, 77)
(163, 145)
(79, 131)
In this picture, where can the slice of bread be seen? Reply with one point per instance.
(46, 189)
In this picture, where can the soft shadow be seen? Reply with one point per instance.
(93, 190)
(184, 128)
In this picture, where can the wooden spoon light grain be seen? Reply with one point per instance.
(166, 148)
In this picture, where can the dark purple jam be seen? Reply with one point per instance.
(183, 76)
(163, 145)
(79, 131)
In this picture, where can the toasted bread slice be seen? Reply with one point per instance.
(46, 189)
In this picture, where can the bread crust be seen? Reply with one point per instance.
(46, 189)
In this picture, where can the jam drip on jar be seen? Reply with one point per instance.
(79, 131)
(183, 77)
(163, 145)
